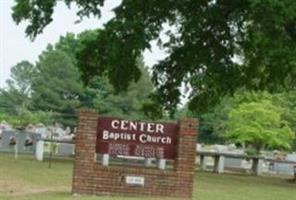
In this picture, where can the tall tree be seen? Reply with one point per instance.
(213, 46)
(128, 104)
(57, 87)
(99, 93)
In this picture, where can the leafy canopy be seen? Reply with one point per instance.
(53, 88)
(18, 90)
(214, 47)
(259, 124)
(15, 99)
(213, 124)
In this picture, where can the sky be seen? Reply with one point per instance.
(15, 46)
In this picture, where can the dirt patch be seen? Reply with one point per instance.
(16, 188)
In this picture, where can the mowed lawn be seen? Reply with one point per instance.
(27, 179)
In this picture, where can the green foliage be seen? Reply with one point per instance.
(21, 77)
(57, 87)
(16, 101)
(25, 117)
(54, 86)
(18, 91)
(213, 46)
(3, 116)
(212, 125)
(287, 100)
(259, 124)
(127, 104)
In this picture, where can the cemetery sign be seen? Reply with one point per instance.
(112, 136)
(136, 138)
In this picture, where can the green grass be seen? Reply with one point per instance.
(27, 179)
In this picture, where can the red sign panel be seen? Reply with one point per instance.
(136, 138)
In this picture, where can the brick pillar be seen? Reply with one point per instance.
(186, 153)
(85, 151)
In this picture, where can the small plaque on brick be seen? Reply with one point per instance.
(135, 180)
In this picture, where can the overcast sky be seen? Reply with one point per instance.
(15, 46)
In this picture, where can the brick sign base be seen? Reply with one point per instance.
(91, 178)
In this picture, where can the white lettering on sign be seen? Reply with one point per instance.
(118, 149)
(136, 138)
(124, 125)
(149, 151)
(137, 126)
(135, 180)
(159, 128)
(118, 136)
(115, 124)
(144, 138)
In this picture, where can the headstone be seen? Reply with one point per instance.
(39, 150)
(233, 162)
(68, 130)
(291, 157)
(66, 149)
(283, 168)
(21, 140)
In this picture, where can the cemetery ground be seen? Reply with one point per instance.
(28, 179)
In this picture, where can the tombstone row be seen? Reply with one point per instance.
(28, 142)
(220, 162)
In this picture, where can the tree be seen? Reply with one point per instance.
(18, 91)
(57, 87)
(53, 88)
(260, 125)
(214, 47)
(288, 101)
(25, 117)
(21, 77)
(128, 104)
(212, 124)
(16, 99)
(99, 93)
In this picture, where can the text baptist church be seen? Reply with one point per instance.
(137, 131)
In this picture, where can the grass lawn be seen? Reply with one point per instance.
(27, 179)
